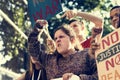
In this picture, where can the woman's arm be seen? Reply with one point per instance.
(98, 21)
(34, 46)
(22, 77)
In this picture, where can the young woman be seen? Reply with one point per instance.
(35, 72)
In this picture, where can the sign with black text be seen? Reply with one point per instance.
(108, 57)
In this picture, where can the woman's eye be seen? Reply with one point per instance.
(117, 15)
(55, 39)
(58, 37)
(61, 36)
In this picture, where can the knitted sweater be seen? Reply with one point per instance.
(56, 65)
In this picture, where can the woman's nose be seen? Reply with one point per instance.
(115, 18)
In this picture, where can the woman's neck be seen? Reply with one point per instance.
(69, 52)
(80, 38)
(37, 66)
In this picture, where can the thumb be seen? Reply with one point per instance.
(64, 15)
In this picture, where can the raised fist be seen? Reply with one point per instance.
(40, 24)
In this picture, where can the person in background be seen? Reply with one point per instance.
(65, 62)
(36, 70)
(115, 16)
(115, 21)
(79, 27)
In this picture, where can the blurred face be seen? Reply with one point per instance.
(114, 16)
(77, 26)
(34, 60)
(63, 42)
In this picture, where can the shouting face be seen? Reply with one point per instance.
(63, 42)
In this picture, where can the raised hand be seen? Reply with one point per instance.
(40, 24)
(69, 14)
(70, 76)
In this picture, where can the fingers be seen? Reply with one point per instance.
(64, 15)
(67, 76)
(74, 77)
(69, 14)
(40, 24)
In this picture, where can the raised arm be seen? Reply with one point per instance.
(98, 21)
(95, 19)
(97, 30)
(34, 46)
(22, 77)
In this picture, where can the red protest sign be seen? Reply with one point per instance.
(43, 9)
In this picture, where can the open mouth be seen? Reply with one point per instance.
(58, 45)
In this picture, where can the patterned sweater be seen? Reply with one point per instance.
(56, 65)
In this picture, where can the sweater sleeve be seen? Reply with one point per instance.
(33, 44)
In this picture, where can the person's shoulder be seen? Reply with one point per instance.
(84, 51)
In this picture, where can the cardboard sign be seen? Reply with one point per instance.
(108, 57)
(43, 9)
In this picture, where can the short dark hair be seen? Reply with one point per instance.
(115, 7)
(74, 19)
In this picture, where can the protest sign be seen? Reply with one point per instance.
(108, 57)
(43, 9)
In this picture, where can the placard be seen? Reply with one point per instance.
(43, 9)
(108, 57)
